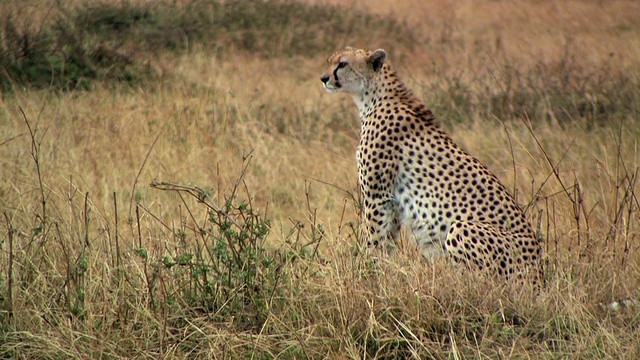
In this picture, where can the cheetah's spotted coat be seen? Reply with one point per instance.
(412, 173)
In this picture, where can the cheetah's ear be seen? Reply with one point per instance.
(377, 59)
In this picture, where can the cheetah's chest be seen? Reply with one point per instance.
(393, 164)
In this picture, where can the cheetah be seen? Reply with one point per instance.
(412, 174)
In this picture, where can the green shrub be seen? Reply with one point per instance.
(226, 272)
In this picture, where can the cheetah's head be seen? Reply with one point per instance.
(351, 69)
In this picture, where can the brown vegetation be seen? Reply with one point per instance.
(98, 263)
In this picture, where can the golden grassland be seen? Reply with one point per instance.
(111, 267)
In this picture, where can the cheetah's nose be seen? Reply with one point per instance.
(324, 79)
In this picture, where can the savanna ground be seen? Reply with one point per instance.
(175, 183)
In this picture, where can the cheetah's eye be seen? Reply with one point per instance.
(342, 64)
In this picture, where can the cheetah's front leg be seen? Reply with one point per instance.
(381, 221)
(380, 207)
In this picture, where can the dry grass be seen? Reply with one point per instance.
(109, 267)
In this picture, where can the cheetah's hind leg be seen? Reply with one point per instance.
(492, 250)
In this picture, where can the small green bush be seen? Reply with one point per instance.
(227, 272)
(232, 275)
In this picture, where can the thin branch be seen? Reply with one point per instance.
(10, 232)
(35, 155)
(197, 193)
(144, 162)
